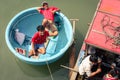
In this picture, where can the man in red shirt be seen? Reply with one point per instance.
(38, 40)
(48, 13)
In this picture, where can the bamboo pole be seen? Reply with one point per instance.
(108, 13)
(69, 68)
(73, 50)
(98, 32)
(73, 22)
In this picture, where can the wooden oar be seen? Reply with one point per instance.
(69, 68)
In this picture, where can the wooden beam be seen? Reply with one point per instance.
(108, 13)
(72, 58)
(96, 31)
(73, 24)
(73, 50)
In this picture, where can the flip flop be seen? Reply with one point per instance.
(21, 51)
(17, 50)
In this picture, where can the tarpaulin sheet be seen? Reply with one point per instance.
(104, 30)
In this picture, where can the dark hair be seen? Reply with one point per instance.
(94, 58)
(40, 28)
(44, 3)
(113, 72)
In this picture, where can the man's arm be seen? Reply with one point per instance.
(53, 33)
(55, 9)
(33, 48)
(39, 9)
(91, 74)
(96, 72)
(98, 69)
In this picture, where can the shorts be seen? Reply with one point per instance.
(51, 26)
(37, 46)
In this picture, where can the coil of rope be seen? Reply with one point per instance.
(105, 22)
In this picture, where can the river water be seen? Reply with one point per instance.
(12, 68)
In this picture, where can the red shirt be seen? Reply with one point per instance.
(109, 78)
(40, 39)
(47, 13)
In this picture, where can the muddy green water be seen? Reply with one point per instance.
(12, 68)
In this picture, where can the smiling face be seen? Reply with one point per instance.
(41, 33)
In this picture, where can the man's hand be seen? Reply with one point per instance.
(55, 11)
(96, 72)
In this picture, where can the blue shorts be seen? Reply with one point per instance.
(37, 46)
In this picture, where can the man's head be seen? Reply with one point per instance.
(45, 5)
(41, 29)
(112, 73)
(94, 59)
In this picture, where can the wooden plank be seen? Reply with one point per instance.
(73, 50)
(76, 67)
(72, 58)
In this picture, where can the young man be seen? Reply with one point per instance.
(86, 66)
(48, 13)
(38, 40)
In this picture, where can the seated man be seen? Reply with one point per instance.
(86, 66)
(48, 13)
(38, 40)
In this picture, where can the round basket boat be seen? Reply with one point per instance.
(27, 21)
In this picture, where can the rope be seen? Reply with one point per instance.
(49, 69)
(105, 22)
(46, 57)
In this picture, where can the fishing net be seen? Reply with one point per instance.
(111, 29)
